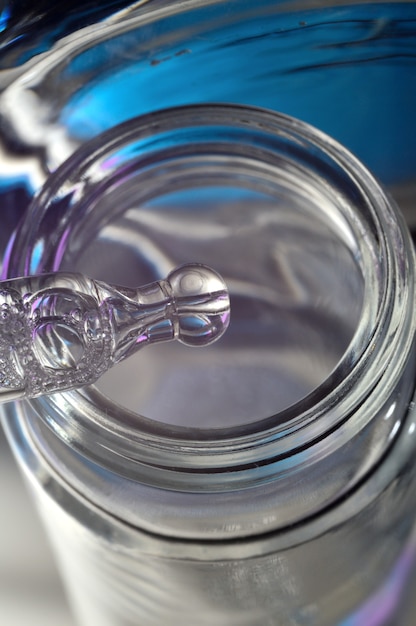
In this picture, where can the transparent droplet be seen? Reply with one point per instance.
(202, 304)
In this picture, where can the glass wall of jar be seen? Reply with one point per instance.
(269, 479)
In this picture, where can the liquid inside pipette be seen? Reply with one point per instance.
(62, 331)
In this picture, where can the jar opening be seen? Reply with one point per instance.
(296, 292)
(281, 211)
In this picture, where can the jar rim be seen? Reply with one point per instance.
(382, 342)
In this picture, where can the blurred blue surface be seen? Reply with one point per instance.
(349, 71)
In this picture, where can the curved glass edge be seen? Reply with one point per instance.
(377, 359)
(186, 537)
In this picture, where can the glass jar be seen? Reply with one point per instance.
(269, 478)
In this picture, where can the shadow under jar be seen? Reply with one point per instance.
(267, 479)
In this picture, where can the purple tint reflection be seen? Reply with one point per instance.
(382, 605)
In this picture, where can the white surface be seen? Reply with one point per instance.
(30, 590)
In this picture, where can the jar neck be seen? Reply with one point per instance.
(362, 399)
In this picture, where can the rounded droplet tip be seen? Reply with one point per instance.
(202, 304)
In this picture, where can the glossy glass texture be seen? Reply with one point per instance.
(62, 331)
(348, 68)
(234, 511)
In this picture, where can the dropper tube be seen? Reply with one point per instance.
(61, 331)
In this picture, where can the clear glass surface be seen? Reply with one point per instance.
(62, 331)
(348, 69)
(190, 494)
